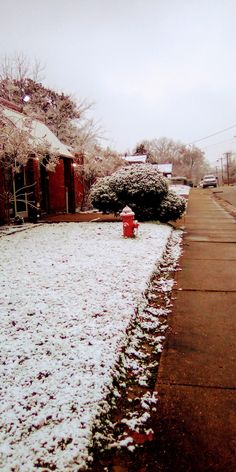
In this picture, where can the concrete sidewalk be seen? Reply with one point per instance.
(196, 418)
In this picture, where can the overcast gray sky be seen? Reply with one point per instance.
(153, 67)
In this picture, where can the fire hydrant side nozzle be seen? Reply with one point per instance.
(129, 224)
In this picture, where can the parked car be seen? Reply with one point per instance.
(209, 181)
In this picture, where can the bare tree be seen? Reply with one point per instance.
(161, 150)
(66, 117)
(18, 66)
(188, 161)
(93, 163)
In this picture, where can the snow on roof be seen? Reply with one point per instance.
(40, 132)
(136, 159)
(164, 168)
(180, 189)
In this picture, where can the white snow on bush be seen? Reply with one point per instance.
(68, 292)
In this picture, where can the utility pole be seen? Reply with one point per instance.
(222, 170)
(227, 155)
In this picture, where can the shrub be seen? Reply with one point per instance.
(172, 207)
(139, 186)
(103, 197)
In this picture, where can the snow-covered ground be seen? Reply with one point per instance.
(67, 295)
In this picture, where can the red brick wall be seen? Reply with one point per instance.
(2, 210)
(57, 199)
(79, 191)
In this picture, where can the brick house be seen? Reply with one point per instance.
(41, 190)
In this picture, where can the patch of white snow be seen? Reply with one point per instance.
(68, 293)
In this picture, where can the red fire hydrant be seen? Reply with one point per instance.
(129, 224)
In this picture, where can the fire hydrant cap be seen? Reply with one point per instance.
(127, 211)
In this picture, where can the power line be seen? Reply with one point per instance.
(213, 134)
(218, 142)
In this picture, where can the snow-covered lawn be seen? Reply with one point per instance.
(67, 295)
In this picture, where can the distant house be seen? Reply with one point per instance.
(164, 169)
(139, 159)
(40, 190)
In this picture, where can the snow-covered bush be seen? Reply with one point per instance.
(142, 188)
(103, 197)
(172, 207)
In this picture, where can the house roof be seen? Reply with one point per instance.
(136, 159)
(142, 159)
(40, 132)
(164, 168)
